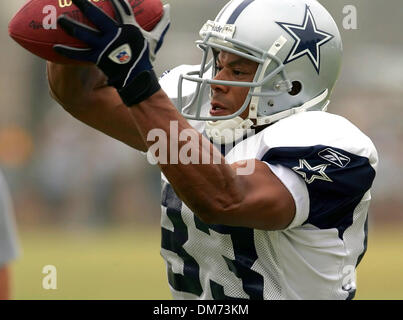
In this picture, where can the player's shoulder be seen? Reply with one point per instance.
(316, 125)
(322, 129)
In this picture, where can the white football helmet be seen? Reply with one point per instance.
(298, 48)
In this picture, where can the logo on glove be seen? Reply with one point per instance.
(121, 55)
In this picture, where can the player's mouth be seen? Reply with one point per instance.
(218, 109)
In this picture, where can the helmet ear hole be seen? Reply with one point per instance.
(296, 88)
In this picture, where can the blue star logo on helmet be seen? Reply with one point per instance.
(308, 39)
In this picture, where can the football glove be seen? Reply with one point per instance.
(121, 49)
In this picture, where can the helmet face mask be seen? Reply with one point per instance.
(296, 44)
(208, 45)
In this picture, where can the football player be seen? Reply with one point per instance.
(294, 227)
(8, 240)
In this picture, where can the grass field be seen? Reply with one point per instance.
(125, 264)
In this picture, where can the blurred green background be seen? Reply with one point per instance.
(89, 205)
(124, 263)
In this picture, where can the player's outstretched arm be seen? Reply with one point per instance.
(82, 91)
(85, 92)
(213, 191)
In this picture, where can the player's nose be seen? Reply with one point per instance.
(218, 86)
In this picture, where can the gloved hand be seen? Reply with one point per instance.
(121, 49)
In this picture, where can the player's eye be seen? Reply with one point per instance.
(240, 72)
(218, 68)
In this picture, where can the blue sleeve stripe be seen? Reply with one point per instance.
(336, 181)
(350, 174)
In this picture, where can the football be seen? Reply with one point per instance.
(35, 26)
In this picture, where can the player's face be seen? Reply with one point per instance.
(226, 100)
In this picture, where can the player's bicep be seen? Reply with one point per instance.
(268, 204)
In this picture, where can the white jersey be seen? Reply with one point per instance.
(328, 165)
(8, 239)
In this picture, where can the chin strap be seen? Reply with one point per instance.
(227, 131)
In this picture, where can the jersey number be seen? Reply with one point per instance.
(189, 281)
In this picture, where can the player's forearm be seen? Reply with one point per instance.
(207, 189)
(73, 86)
(82, 91)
